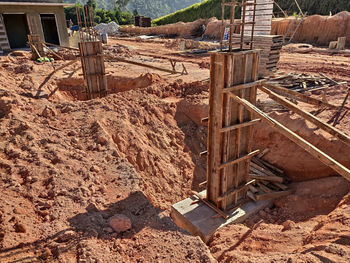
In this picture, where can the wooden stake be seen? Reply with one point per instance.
(35, 49)
(54, 53)
(147, 66)
(337, 115)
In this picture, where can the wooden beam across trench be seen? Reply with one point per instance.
(314, 151)
(308, 116)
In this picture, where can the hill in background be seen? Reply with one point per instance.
(212, 8)
(158, 8)
(149, 8)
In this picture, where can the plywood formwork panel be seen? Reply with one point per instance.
(229, 145)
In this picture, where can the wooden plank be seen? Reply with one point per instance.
(235, 190)
(267, 178)
(253, 189)
(314, 151)
(282, 186)
(263, 187)
(36, 46)
(214, 125)
(240, 125)
(239, 77)
(226, 139)
(308, 116)
(230, 142)
(263, 170)
(243, 86)
(261, 162)
(120, 59)
(273, 195)
(302, 97)
(238, 160)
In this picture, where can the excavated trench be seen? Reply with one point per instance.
(168, 156)
(74, 88)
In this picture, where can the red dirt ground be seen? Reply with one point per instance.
(68, 165)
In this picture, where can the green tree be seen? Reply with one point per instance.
(92, 4)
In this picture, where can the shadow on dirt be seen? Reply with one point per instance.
(93, 224)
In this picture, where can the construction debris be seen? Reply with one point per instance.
(339, 44)
(111, 28)
(304, 82)
(269, 181)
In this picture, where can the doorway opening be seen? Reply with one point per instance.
(49, 25)
(17, 30)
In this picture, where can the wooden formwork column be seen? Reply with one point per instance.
(230, 126)
(94, 71)
(36, 46)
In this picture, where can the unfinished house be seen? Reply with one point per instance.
(21, 18)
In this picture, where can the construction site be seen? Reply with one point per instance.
(218, 140)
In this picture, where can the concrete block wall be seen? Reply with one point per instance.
(34, 21)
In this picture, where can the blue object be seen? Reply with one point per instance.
(75, 28)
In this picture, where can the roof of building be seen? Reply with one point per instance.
(35, 2)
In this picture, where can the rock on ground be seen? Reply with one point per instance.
(120, 223)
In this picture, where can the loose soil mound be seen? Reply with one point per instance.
(178, 29)
(67, 166)
(316, 29)
(302, 232)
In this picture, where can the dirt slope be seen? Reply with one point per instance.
(300, 228)
(316, 29)
(67, 166)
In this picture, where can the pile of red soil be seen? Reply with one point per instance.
(179, 29)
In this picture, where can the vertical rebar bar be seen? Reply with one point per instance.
(222, 23)
(253, 26)
(232, 20)
(244, 8)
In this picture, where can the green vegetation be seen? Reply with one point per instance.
(312, 7)
(157, 8)
(102, 15)
(212, 8)
(206, 9)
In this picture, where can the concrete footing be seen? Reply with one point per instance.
(197, 218)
